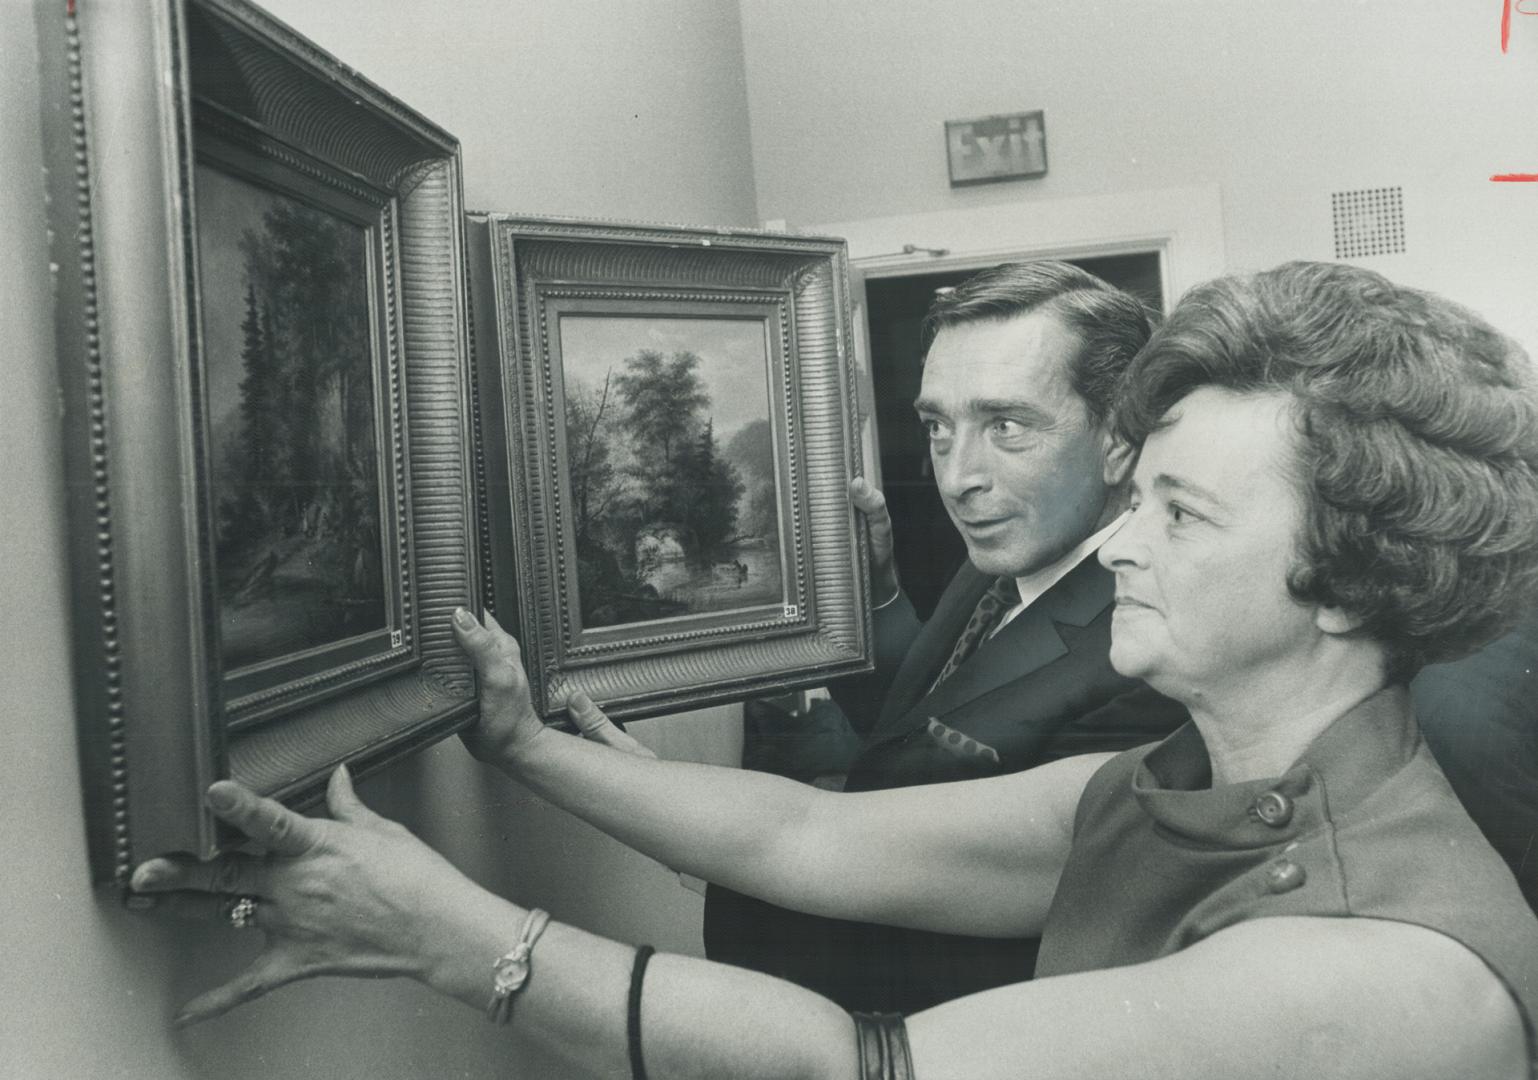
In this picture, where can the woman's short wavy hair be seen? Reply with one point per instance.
(1416, 450)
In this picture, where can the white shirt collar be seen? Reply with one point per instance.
(1033, 585)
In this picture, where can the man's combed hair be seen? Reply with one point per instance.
(1112, 325)
(1416, 449)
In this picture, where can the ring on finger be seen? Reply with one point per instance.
(242, 913)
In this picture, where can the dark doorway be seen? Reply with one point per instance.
(928, 547)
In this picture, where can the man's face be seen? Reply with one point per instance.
(1201, 566)
(1019, 464)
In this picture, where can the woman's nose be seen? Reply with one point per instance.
(1126, 547)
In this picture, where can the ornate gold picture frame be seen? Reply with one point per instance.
(667, 511)
(264, 354)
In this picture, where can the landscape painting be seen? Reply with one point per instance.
(675, 501)
(292, 403)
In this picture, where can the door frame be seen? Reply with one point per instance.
(1183, 225)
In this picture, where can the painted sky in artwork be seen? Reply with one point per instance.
(732, 353)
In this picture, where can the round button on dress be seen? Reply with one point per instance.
(1273, 808)
(1284, 876)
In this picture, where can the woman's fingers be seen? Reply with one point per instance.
(505, 643)
(342, 801)
(267, 972)
(278, 829)
(473, 638)
(508, 721)
(271, 824)
(229, 874)
(244, 987)
(596, 726)
(492, 650)
(207, 907)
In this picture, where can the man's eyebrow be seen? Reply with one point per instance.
(1017, 407)
(1167, 482)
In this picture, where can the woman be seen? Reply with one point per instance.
(1335, 483)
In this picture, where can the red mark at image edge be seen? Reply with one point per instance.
(1506, 9)
(1498, 178)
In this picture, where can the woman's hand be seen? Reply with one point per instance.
(353, 895)
(508, 726)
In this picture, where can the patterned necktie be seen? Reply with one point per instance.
(1000, 597)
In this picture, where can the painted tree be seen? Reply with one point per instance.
(309, 459)
(711, 488)
(595, 481)
(662, 397)
(248, 512)
(752, 451)
(307, 266)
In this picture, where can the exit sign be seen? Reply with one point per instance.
(992, 148)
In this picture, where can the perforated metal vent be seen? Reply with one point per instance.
(1368, 222)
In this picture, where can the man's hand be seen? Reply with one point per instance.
(508, 724)
(883, 567)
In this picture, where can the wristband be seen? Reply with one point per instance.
(633, 1012)
(511, 971)
(882, 1039)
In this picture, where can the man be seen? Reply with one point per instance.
(1479, 715)
(1012, 670)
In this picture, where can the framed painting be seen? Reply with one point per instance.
(666, 506)
(264, 352)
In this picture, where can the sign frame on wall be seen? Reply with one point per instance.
(990, 149)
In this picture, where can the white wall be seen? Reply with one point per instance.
(618, 108)
(603, 109)
(1279, 103)
(615, 108)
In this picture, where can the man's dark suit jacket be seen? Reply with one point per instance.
(1480, 717)
(1040, 689)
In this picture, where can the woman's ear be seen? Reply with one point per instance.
(1334, 620)
(1119, 458)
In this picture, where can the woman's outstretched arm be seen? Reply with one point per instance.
(356, 894)
(1295, 997)
(890, 856)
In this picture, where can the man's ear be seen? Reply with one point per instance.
(1334, 620)
(1119, 458)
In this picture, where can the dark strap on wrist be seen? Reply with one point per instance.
(633, 1013)
(883, 1042)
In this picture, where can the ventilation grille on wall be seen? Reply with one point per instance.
(1368, 222)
